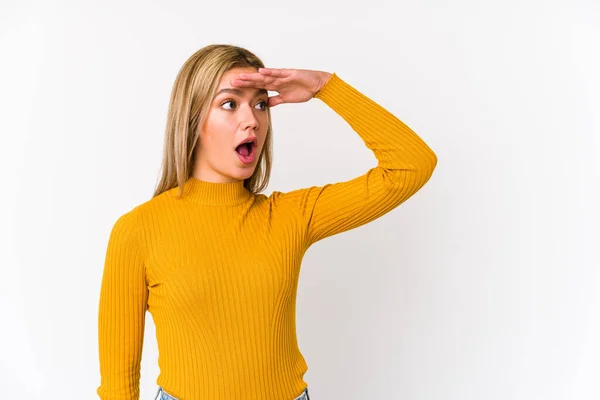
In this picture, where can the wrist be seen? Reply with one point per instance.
(323, 79)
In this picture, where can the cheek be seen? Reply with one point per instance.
(216, 145)
(217, 136)
(263, 140)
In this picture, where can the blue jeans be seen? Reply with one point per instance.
(162, 395)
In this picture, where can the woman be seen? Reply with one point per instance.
(215, 261)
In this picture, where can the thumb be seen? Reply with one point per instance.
(275, 100)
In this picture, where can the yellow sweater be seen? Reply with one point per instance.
(218, 269)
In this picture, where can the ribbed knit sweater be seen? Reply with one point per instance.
(218, 268)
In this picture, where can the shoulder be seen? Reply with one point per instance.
(276, 199)
(126, 225)
(132, 219)
(295, 198)
(141, 211)
(295, 202)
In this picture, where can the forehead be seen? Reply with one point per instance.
(232, 74)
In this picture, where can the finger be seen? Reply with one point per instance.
(246, 83)
(262, 82)
(251, 77)
(275, 100)
(255, 77)
(277, 72)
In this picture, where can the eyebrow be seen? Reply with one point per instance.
(239, 92)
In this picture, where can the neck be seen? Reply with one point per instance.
(213, 193)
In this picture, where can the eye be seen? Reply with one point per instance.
(266, 105)
(228, 101)
(264, 108)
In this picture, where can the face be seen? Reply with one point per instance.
(235, 115)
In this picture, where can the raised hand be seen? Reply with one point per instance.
(293, 85)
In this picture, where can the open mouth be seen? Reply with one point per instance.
(247, 150)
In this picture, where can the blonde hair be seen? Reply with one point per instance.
(193, 90)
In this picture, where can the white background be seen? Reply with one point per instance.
(483, 285)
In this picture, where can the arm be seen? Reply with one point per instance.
(405, 164)
(122, 310)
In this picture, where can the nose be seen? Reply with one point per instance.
(248, 118)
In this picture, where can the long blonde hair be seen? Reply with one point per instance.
(193, 90)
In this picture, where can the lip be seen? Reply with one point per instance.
(252, 157)
(248, 139)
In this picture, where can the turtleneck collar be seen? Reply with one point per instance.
(216, 194)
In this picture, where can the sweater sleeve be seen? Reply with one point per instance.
(122, 311)
(405, 164)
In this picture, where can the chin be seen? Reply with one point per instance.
(243, 174)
